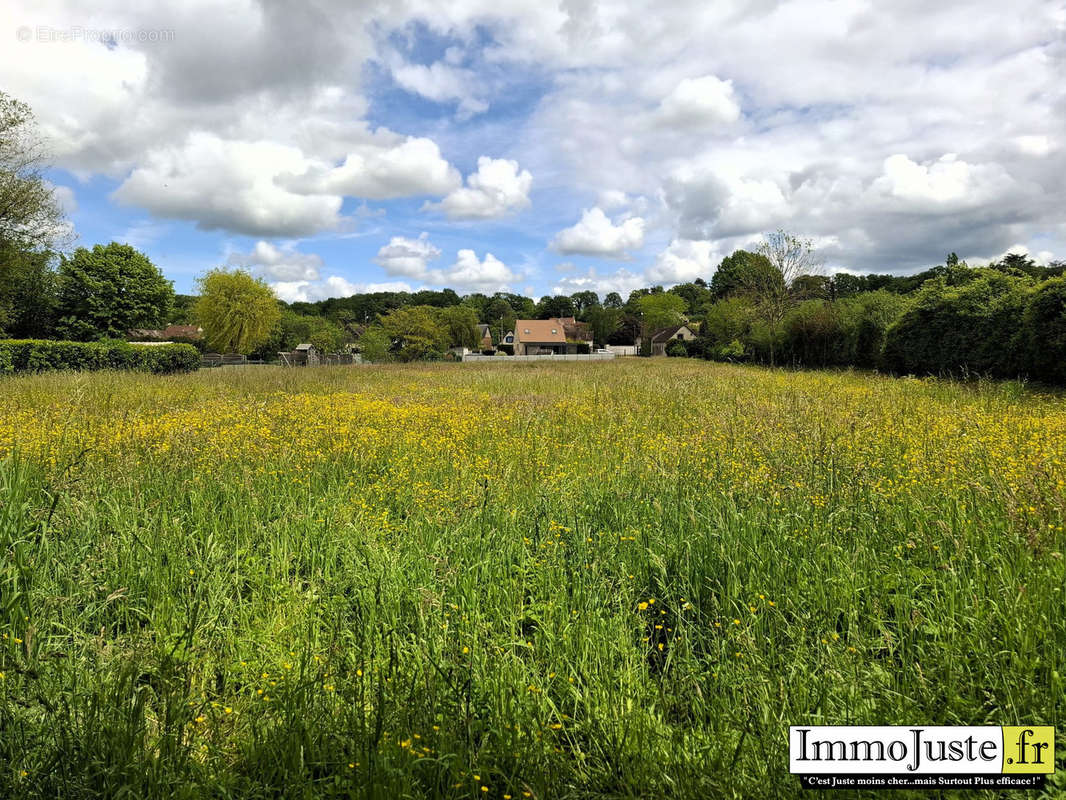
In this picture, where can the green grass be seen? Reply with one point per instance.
(568, 580)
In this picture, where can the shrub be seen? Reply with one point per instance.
(1042, 340)
(39, 355)
(971, 327)
(506, 349)
(676, 349)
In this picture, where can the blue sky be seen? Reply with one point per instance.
(541, 149)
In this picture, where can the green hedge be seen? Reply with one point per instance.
(40, 355)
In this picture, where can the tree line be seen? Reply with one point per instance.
(771, 305)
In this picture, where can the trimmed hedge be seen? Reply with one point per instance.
(41, 355)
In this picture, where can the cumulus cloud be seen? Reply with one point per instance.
(622, 281)
(231, 185)
(684, 261)
(333, 286)
(698, 102)
(284, 264)
(409, 168)
(411, 258)
(497, 188)
(596, 235)
(947, 182)
(716, 205)
(471, 274)
(408, 257)
(441, 82)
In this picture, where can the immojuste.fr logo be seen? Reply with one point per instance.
(837, 756)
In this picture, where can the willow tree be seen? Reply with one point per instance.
(237, 311)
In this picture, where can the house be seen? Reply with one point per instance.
(576, 331)
(534, 337)
(486, 336)
(661, 338)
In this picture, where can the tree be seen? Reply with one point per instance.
(27, 293)
(295, 329)
(789, 257)
(604, 322)
(107, 291)
(661, 311)
(460, 324)
(555, 307)
(237, 311)
(583, 301)
(415, 333)
(500, 317)
(30, 216)
(374, 344)
(739, 272)
(696, 294)
(658, 311)
(613, 300)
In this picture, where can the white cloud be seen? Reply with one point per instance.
(231, 185)
(411, 257)
(497, 188)
(284, 264)
(333, 286)
(1038, 146)
(406, 169)
(470, 274)
(721, 204)
(622, 281)
(684, 261)
(408, 257)
(441, 82)
(611, 199)
(948, 181)
(699, 102)
(595, 234)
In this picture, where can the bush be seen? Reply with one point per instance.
(1043, 336)
(972, 327)
(39, 355)
(676, 349)
(506, 349)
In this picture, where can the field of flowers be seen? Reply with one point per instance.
(541, 581)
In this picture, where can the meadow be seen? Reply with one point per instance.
(623, 579)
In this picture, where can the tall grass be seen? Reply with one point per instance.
(569, 580)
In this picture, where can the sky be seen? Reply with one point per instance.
(540, 147)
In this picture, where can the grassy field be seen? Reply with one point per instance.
(561, 580)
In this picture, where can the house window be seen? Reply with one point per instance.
(553, 331)
(526, 330)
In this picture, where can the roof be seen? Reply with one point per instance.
(666, 334)
(146, 333)
(186, 331)
(305, 346)
(539, 331)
